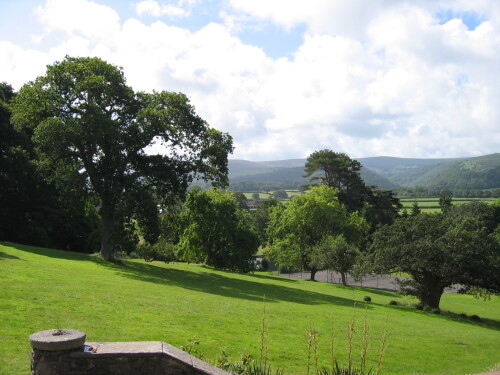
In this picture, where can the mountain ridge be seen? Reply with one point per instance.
(385, 172)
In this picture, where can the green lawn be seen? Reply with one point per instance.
(136, 301)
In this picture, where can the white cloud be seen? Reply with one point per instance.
(153, 8)
(89, 19)
(391, 81)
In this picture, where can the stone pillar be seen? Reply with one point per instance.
(51, 350)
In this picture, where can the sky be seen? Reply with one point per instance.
(285, 78)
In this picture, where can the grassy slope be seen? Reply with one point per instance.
(135, 301)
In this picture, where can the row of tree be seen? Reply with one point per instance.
(425, 192)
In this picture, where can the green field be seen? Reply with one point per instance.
(267, 195)
(136, 301)
(432, 204)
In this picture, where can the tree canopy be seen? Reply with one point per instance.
(296, 228)
(439, 250)
(337, 170)
(216, 232)
(335, 254)
(94, 132)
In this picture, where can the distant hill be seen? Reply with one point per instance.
(385, 172)
(476, 173)
(289, 172)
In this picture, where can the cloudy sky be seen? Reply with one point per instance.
(399, 78)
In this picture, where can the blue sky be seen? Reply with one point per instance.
(288, 77)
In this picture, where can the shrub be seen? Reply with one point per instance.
(162, 250)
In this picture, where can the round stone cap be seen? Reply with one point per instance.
(57, 339)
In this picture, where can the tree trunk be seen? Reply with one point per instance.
(313, 273)
(208, 260)
(344, 281)
(430, 294)
(108, 223)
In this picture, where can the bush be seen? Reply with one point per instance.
(367, 299)
(162, 250)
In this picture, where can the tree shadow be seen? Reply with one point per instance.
(51, 253)
(8, 256)
(274, 278)
(222, 285)
(206, 282)
(378, 291)
(450, 316)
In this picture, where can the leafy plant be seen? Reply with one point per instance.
(192, 347)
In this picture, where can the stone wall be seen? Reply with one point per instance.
(65, 352)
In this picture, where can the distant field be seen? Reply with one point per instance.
(267, 195)
(432, 204)
(137, 301)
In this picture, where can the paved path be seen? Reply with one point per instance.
(386, 282)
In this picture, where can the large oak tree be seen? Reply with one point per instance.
(88, 125)
(439, 250)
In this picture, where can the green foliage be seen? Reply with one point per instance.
(280, 194)
(89, 126)
(439, 250)
(339, 171)
(415, 209)
(261, 217)
(381, 208)
(297, 228)
(336, 254)
(215, 231)
(193, 347)
(242, 200)
(445, 201)
(162, 250)
(35, 211)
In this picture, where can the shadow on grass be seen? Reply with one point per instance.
(51, 253)
(7, 256)
(450, 316)
(380, 292)
(222, 284)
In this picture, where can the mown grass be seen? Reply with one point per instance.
(136, 301)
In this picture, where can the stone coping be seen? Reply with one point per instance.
(145, 349)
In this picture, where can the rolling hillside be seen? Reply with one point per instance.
(131, 300)
(481, 172)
